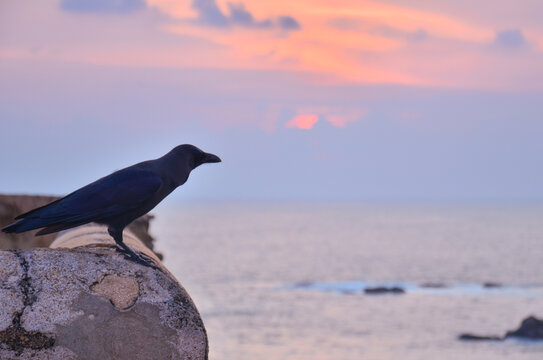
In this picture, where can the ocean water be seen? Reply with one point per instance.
(285, 280)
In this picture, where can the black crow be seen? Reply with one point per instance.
(117, 199)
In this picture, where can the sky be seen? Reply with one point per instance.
(390, 100)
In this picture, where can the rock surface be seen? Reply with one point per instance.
(89, 302)
(14, 205)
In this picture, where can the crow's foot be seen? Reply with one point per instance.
(140, 258)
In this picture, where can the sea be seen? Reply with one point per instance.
(287, 280)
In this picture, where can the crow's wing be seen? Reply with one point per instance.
(105, 198)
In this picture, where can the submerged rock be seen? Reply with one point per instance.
(433, 285)
(472, 337)
(491, 284)
(303, 284)
(384, 290)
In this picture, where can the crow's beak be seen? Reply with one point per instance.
(210, 158)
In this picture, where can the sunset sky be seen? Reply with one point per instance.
(348, 100)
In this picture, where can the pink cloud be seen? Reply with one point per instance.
(304, 122)
(336, 116)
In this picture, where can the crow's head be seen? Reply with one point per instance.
(194, 156)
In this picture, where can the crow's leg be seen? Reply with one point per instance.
(118, 237)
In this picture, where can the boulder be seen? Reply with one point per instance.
(83, 299)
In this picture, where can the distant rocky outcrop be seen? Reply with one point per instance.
(531, 328)
(14, 205)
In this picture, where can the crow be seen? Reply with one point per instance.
(117, 199)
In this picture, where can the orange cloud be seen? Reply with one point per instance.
(304, 122)
(373, 12)
(340, 42)
(322, 48)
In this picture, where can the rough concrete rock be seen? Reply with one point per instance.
(90, 302)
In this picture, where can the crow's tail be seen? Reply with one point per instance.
(12, 228)
(24, 225)
(33, 224)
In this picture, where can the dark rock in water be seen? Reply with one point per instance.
(384, 290)
(491, 285)
(471, 337)
(433, 285)
(530, 328)
(303, 284)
